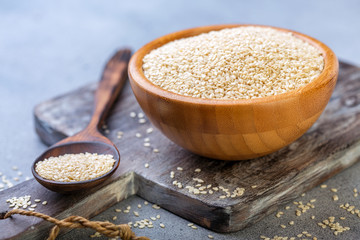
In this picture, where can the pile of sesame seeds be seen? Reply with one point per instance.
(235, 63)
(24, 202)
(75, 167)
(199, 186)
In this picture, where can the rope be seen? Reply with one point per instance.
(106, 228)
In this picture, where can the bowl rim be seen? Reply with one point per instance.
(136, 74)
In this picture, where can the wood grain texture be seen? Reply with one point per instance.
(233, 129)
(90, 139)
(331, 145)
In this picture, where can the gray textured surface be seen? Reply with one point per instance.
(48, 48)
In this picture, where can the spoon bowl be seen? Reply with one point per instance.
(74, 148)
(90, 139)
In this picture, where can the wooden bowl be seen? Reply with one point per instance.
(233, 129)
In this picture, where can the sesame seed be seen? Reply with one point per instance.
(142, 120)
(139, 205)
(117, 210)
(156, 150)
(155, 206)
(146, 203)
(146, 144)
(133, 114)
(197, 170)
(44, 202)
(146, 165)
(179, 168)
(75, 167)
(114, 218)
(210, 236)
(323, 186)
(207, 65)
(162, 225)
(335, 198)
(136, 214)
(334, 190)
(138, 135)
(149, 130)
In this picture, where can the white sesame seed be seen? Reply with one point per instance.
(142, 120)
(146, 165)
(75, 167)
(133, 114)
(211, 61)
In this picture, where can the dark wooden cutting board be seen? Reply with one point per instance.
(330, 146)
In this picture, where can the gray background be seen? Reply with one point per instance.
(50, 47)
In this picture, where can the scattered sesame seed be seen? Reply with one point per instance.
(334, 190)
(146, 144)
(138, 135)
(155, 206)
(117, 210)
(142, 120)
(323, 186)
(162, 225)
(136, 214)
(283, 226)
(210, 236)
(335, 198)
(146, 203)
(197, 170)
(139, 205)
(291, 223)
(114, 218)
(179, 168)
(156, 150)
(149, 130)
(133, 114)
(44, 202)
(146, 165)
(254, 186)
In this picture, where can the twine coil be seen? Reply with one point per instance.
(106, 228)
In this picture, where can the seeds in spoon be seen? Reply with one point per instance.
(75, 167)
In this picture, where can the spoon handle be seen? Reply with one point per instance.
(113, 78)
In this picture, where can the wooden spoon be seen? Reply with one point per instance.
(90, 139)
